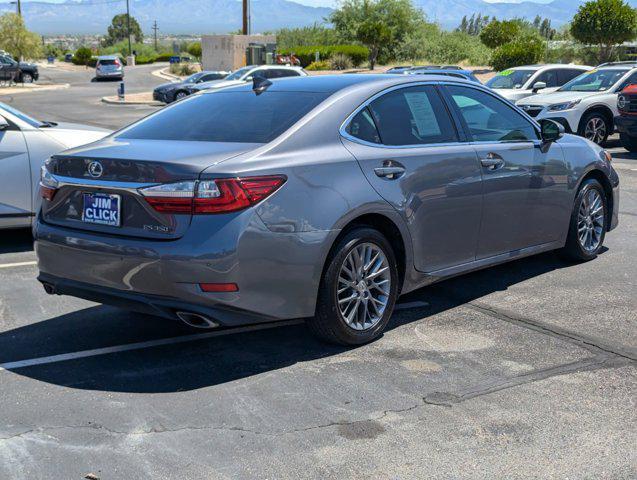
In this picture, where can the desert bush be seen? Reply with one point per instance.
(356, 53)
(525, 50)
(340, 61)
(82, 56)
(320, 65)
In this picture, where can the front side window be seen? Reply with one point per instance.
(567, 75)
(226, 116)
(549, 77)
(595, 80)
(511, 79)
(412, 116)
(238, 74)
(490, 119)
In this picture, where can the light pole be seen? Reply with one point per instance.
(130, 48)
(18, 7)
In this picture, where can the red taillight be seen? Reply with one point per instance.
(212, 196)
(219, 287)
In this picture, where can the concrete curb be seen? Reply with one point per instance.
(114, 100)
(163, 73)
(37, 88)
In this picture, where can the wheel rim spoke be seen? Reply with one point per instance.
(590, 220)
(363, 286)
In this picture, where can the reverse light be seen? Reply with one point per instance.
(212, 196)
(48, 184)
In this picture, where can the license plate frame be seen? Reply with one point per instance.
(102, 212)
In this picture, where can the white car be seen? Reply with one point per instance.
(25, 144)
(520, 82)
(246, 74)
(587, 105)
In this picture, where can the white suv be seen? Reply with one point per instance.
(520, 82)
(246, 74)
(587, 104)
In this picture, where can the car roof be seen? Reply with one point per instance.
(552, 65)
(446, 71)
(333, 83)
(108, 57)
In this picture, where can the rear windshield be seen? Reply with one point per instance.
(107, 62)
(225, 116)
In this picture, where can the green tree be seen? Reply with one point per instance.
(524, 50)
(118, 30)
(194, 49)
(316, 34)
(82, 56)
(17, 40)
(498, 33)
(380, 25)
(604, 23)
(464, 25)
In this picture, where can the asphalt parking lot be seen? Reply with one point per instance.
(526, 370)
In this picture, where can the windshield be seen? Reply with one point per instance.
(511, 79)
(595, 80)
(25, 118)
(237, 74)
(227, 116)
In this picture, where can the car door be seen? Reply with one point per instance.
(15, 178)
(526, 200)
(410, 151)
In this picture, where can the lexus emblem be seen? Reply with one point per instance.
(95, 169)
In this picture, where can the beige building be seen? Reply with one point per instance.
(228, 52)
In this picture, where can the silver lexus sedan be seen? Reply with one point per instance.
(321, 197)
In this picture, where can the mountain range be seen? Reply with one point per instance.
(221, 16)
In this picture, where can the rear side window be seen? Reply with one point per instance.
(227, 116)
(277, 73)
(363, 127)
(412, 116)
(490, 119)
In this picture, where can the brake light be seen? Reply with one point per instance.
(219, 287)
(212, 196)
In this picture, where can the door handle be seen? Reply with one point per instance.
(492, 161)
(390, 170)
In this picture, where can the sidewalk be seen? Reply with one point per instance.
(144, 98)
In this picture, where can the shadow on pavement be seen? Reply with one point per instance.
(212, 361)
(15, 241)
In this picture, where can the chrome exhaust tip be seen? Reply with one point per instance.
(197, 320)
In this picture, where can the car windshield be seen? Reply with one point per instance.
(237, 74)
(193, 78)
(227, 116)
(16, 113)
(511, 79)
(595, 80)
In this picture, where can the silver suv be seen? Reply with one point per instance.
(109, 67)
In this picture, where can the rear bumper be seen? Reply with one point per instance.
(109, 74)
(278, 274)
(626, 125)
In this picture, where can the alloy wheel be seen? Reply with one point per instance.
(27, 78)
(590, 220)
(180, 95)
(595, 130)
(363, 289)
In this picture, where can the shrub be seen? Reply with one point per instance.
(440, 47)
(82, 56)
(182, 69)
(143, 60)
(306, 55)
(340, 61)
(498, 33)
(320, 65)
(164, 57)
(524, 50)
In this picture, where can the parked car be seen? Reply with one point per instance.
(19, 72)
(109, 66)
(587, 105)
(454, 73)
(169, 92)
(25, 143)
(626, 121)
(399, 69)
(517, 83)
(323, 198)
(246, 74)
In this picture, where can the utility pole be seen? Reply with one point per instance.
(19, 8)
(130, 48)
(155, 28)
(246, 17)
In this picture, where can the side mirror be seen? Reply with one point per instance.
(248, 78)
(4, 125)
(537, 86)
(551, 131)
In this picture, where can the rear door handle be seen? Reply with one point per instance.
(492, 161)
(390, 170)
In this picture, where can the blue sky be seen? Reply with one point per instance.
(307, 2)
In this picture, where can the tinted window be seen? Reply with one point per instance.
(566, 75)
(211, 76)
(362, 126)
(227, 116)
(276, 73)
(108, 62)
(595, 80)
(412, 116)
(549, 77)
(489, 118)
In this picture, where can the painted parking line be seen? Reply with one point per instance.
(18, 264)
(95, 352)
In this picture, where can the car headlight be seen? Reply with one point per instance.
(558, 107)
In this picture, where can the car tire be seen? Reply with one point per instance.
(26, 78)
(587, 214)
(331, 321)
(595, 127)
(628, 142)
(179, 95)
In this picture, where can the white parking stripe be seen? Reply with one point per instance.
(18, 264)
(140, 345)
